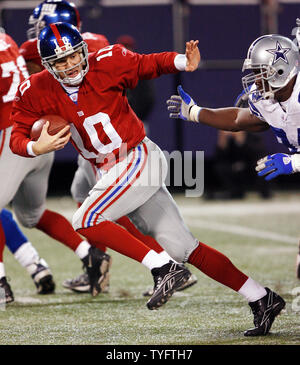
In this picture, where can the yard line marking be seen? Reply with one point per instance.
(193, 214)
(27, 300)
(240, 209)
(228, 209)
(243, 231)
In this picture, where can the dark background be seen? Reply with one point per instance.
(224, 32)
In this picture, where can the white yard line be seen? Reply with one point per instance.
(241, 208)
(194, 214)
(240, 230)
(28, 300)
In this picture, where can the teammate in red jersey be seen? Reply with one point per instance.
(12, 72)
(51, 11)
(105, 130)
(86, 176)
(26, 183)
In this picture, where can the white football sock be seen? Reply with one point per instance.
(153, 259)
(2, 271)
(32, 268)
(252, 291)
(166, 256)
(83, 249)
(26, 254)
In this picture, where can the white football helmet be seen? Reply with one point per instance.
(274, 60)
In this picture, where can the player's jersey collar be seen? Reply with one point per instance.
(72, 92)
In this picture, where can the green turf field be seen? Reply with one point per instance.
(260, 237)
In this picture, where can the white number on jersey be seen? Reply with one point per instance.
(89, 125)
(104, 52)
(292, 140)
(9, 68)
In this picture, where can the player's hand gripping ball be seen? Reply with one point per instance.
(56, 124)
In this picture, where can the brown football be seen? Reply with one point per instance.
(57, 123)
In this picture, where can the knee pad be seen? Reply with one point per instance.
(77, 220)
(29, 219)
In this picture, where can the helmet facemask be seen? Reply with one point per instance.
(36, 29)
(31, 32)
(262, 76)
(49, 63)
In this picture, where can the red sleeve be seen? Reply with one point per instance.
(30, 52)
(127, 68)
(94, 41)
(23, 118)
(18, 140)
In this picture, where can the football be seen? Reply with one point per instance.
(57, 123)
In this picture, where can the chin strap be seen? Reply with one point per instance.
(75, 81)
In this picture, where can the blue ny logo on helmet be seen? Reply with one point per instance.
(57, 41)
(51, 11)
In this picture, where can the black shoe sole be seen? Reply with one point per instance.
(298, 268)
(181, 288)
(149, 292)
(9, 299)
(46, 285)
(158, 303)
(80, 290)
(260, 331)
(102, 282)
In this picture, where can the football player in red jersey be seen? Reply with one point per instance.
(86, 176)
(105, 131)
(45, 13)
(26, 183)
(51, 11)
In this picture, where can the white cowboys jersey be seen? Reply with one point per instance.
(283, 118)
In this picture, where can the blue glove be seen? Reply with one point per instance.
(272, 166)
(180, 105)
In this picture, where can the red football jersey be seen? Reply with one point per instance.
(94, 42)
(30, 52)
(102, 120)
(13, 71)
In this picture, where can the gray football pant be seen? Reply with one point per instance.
(24, 182)
(159, 217)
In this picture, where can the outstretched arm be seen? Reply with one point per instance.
(192, 54)
(230, 119)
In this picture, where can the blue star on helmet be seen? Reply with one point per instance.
(279, 53)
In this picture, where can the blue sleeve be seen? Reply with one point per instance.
(255, 111)
(13, 234)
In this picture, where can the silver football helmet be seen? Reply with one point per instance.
(274, 61)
